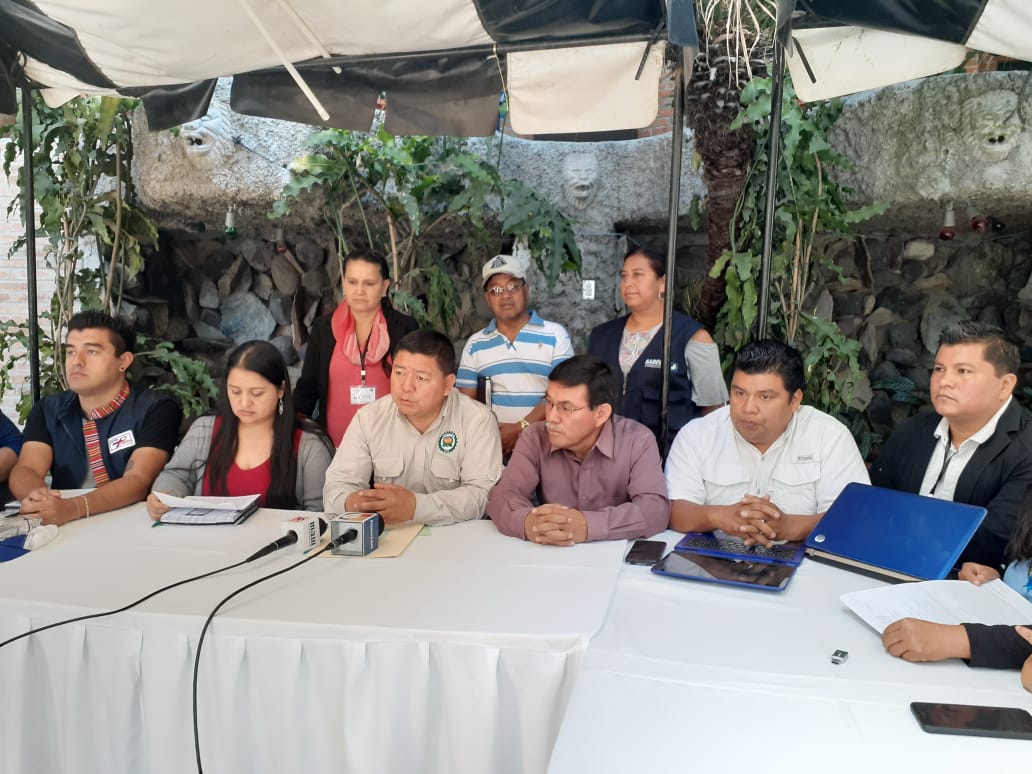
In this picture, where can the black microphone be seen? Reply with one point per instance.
(302, 526)
(349, 535)
(345, 537)
(361, 530)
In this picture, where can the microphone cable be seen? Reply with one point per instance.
(256, 555)
(345, 538)
(122, 609)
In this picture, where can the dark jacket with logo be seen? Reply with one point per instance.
(147, 419)
(641, 397)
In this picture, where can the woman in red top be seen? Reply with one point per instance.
(254, 444)
(348, 363)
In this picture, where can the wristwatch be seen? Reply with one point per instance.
(524, 424)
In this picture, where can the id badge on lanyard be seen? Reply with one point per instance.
(362, 394)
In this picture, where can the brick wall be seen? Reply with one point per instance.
(14, 284)
(664, 118)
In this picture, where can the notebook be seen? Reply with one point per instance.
(752, 573)
(709, 544)
(895, 536)
(207, 510)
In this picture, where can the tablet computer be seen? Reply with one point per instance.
(766, 576)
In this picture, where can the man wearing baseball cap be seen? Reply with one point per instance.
(517, 351)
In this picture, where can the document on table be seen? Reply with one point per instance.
(941, 601)
(207, 510)
(393, 542)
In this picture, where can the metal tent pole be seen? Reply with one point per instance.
(29, 213)
(773, 162)
(676, 147)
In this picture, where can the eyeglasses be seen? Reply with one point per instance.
(565, 409)
(512, 287)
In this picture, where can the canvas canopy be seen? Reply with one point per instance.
(837, 47)
(569, 66)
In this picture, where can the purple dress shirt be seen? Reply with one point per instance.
(618, 486)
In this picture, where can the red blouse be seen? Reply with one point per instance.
(241, 482)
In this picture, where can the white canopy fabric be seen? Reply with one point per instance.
(838, 47)
(574, 65)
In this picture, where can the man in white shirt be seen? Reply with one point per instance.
(976, 448)
(765, 467)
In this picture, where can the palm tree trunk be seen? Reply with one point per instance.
(712, 102)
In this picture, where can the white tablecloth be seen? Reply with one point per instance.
(693, 676)
(456, 657)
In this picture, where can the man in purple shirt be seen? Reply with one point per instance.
(597, 476)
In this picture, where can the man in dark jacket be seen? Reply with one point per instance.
(977, 446)
(100, 434)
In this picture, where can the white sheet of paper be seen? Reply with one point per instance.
(941, 601)
(198, 501)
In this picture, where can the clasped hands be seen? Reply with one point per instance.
(47, 504)
(754, 519)
(555, 525)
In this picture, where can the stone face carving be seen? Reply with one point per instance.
(580, 171)
(195, 174)
(207, 141)
(965, 139)
(597, 186)
(990, 124)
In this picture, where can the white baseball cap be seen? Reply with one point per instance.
(504, 264)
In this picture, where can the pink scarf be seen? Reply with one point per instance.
(343, 325)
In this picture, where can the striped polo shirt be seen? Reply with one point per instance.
(518, 370)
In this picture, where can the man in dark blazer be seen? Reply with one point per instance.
(977, 446)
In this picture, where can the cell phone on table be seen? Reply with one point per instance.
(645, 552)
(973, 720)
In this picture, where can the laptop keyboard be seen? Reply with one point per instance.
(783, 552)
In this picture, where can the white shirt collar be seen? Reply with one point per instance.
(942, 430)
(778, 443)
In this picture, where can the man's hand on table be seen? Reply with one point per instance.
(555, 525)
(395, 504)
(47, 504)
(915, 640)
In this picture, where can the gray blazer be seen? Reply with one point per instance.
(184, 473)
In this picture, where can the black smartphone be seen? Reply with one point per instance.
(645, 552)
(973, 720)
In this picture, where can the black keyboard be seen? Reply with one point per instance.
(784, 552)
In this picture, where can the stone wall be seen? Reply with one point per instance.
(898, 291)
(960, 139)
(207, 293)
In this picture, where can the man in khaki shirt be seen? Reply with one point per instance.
(429, 453)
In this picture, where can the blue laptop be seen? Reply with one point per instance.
(711, 544)
(895, 536)
(718, 558)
